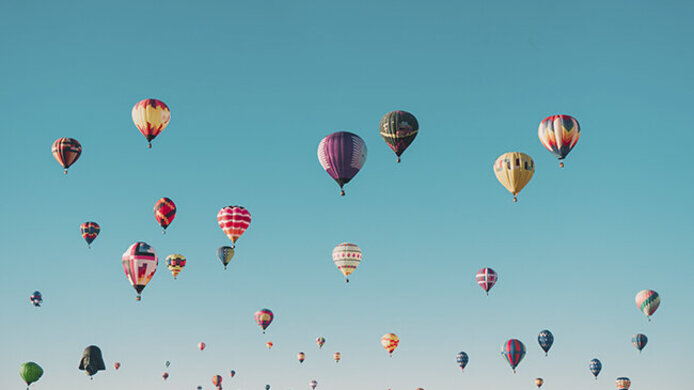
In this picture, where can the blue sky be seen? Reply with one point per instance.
(252, 88)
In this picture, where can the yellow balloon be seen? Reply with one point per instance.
(514, 170)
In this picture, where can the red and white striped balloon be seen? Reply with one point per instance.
(486, 278)
(234, 220)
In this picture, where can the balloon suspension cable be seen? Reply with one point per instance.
(649, 318)
(225, 266)
(561, 164)
(487, 292)
(545, 353)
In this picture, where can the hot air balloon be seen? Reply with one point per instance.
(539, 382)
(390, 341)
(623, 383)
(201, 345)
(514, 170)
(234, 220)
(92, 361)
(66, 151)
(320, 341)
(140, 263)
(151, 117)
(267, 387)
(263, 318)
(513, 351)
(217, 381)
(199, 387)
(90, 230)
(648, 302)
(301, 357)
(342, 155)
(164, 212)
(269, 345)
(30, 372)
(36, 299)
(168, 363)
(559, 134)
(337, 356)
(595, 366)
(486, 278)
(232, 373)
(398, 129)
(545, 339)
(346, 257)
(116, 365)
(225, 254)
(462, 360)
(165, 376)
(175, 264)
(313, 384)
(639, 340)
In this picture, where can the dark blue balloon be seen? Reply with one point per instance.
(595, 366)
(639, 340)
(462, 360)
(546, 339)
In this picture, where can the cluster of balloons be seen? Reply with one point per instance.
(342, 155)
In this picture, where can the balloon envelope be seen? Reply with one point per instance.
(151, 116)
(301, 357)
(462, 360)
(92, 361)
(398, 129)
(66, 151)
(342, 155)
(36, 299)
(486, 278)
(390, 341)
(225, 254)
(347, 257)
(513, 351)
(559, 134)
(623, 383)
(648, 302)
(337, 356)
(539, 382)
(545, 339)
(320, 341)
(234, 220)
(175, 263)
(140, 263)
(514, 170)
(639, 340)
(30, 372)
(201, 345)
(164, 212)
(263, 318)
(595, 367)
(90, 230)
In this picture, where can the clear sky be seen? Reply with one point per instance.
(253, 87)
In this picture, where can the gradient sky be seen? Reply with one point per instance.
(253, 86)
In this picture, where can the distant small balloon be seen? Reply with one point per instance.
(116, 365)
(337, 356)
(201, 345)
(539, 382)
(623, 383)
(545, 339)
(648, 302)
(30, 372)
(313, 384)
(269, 345)
(36, 299)
(462, 360)
(320, 341)
(639, 340)
(595, 367)
(165, 376)
(301, 357)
